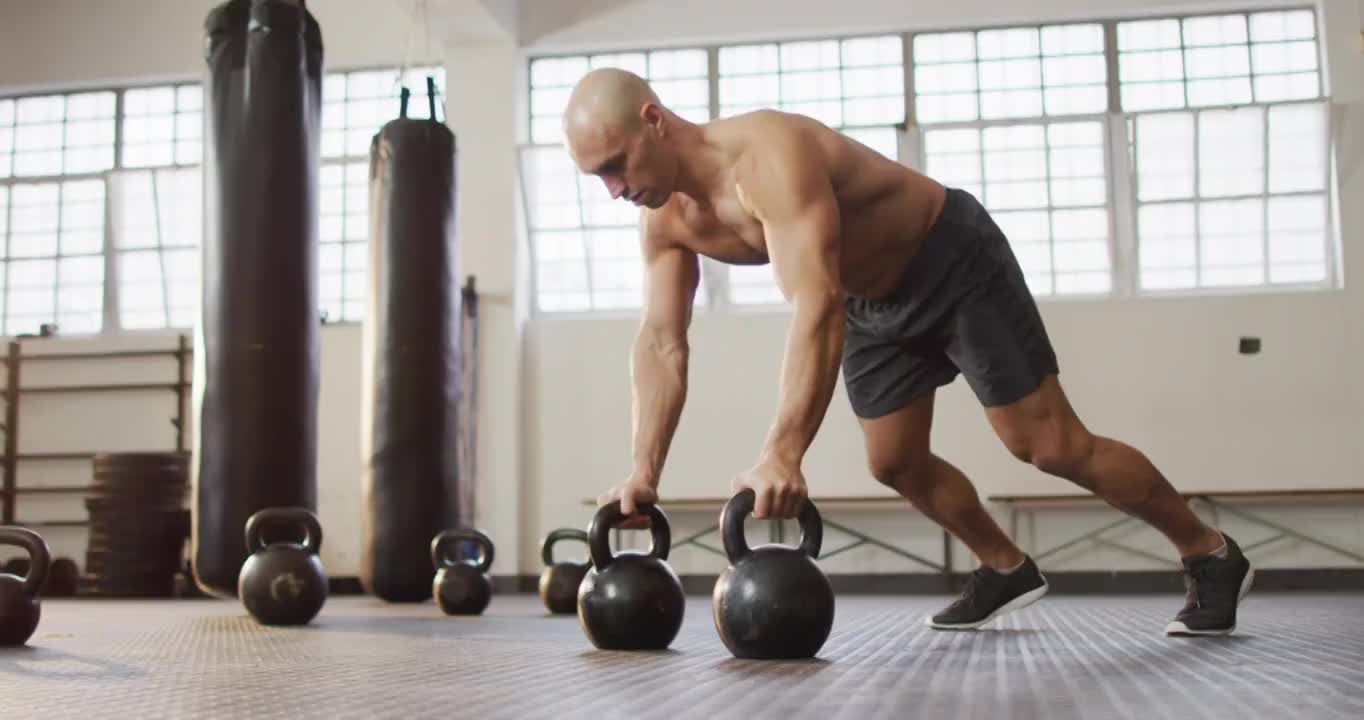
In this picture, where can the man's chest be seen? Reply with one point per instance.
(725, 231)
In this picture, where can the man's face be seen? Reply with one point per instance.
(631, 164)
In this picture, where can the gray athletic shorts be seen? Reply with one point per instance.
(962, 306)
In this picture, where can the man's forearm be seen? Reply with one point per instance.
(814, 346)
(658, 370)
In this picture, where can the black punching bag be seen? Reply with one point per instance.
(256, 345)
(410, 478)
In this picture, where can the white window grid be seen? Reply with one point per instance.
(161, 126)
(1259, 215)
(54, 149)
(1218, 59)
(54, 256)
(1012, 72)
(101, 202)
(1275, 43)
(156, 216)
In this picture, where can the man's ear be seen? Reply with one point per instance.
(652, 117)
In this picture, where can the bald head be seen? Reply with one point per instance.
(606, 102)
(617, 130)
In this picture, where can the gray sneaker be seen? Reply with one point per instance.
(989, 594)
(1214, 588)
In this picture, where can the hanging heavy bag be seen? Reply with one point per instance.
(410, 479)
(256, 355)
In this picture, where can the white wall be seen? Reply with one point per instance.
(553, 424)
(79, 43)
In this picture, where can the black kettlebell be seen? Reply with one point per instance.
(630, 600)
(283, 583)
(17, 566)
(20, 608)
(773, 601)
(559, 581)
(63, 580)
(462, 587)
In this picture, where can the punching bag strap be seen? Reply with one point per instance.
(431, 96)
(402, 110)
(469, 411)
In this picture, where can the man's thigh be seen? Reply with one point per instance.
(998, 340)
(883, 375)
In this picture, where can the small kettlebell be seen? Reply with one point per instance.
(461, 587)
(630, 600)
(559, 581)
(63, 579)
(20, 608)
(283, 583)
(773, 601)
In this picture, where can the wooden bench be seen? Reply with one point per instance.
(1218, 502)
(826, 505)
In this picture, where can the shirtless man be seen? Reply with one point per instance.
(906, 282)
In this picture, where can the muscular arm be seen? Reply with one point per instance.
(790, 193)
(658, 362)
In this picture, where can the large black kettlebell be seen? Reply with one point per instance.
(19, 604)
(283, 583)
(630, 600)
(461, 587)
(559, 581)
(773, 601)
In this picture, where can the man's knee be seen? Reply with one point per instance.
(903, 471)
(1060, 449)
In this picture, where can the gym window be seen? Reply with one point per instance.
(1232, 197)
(1010, 73)
(133, 156)
(157, 222)
(162, 126)
(52, 151)
(1120, 157)
(1218, 60)
(1233, 191)
(54, 256)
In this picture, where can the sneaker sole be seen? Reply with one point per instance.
(1179, 629)
(1017, 603)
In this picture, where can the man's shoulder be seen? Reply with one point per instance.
(664, 226)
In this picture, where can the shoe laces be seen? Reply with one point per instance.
(974, 582)
(1198, 578)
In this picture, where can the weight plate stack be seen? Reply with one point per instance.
(138, 524)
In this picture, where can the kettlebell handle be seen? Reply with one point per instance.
(547, 546)
(297, 517)
(441, 544)
(609, 515)
(40, 557)
(740, 507)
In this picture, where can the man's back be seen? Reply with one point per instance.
(885, 208)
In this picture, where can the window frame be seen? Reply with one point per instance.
(110, 323)
(1121, 201)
